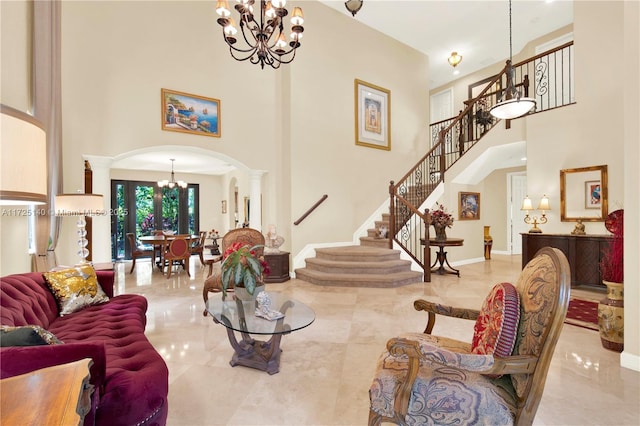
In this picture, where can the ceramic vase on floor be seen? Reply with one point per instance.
(611, 317)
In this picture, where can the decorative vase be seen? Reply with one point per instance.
(611, 317)
(488, 242)
(441, 232)
(243, 294)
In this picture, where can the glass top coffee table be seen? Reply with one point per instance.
(239, 316)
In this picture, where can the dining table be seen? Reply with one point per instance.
(159, 243)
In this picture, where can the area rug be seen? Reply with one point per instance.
(583, 313)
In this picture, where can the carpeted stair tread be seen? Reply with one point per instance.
(357, 253)
(358, 266)
(359, 280)
(378, 267)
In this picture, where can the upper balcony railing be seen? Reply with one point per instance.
(547, 77)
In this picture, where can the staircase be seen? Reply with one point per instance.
(358, 266)
(373, 263)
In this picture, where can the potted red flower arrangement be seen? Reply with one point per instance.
(441, 220)
(243, 266)
(611, 309)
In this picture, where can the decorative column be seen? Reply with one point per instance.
(255, 199)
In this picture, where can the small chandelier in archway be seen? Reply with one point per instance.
(172, 183)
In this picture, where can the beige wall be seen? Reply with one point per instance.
(295, 123)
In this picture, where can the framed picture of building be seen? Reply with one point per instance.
(372, 115)
(187, 113)
(469, 206)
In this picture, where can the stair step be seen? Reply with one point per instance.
(359, 280)
(346, 267)
(374, 242)
(357, 253)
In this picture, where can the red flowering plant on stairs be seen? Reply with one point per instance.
(241, 265)
(612, 262)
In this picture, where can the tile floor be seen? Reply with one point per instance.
(326, 368)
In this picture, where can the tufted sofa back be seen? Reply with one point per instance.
(25, 299)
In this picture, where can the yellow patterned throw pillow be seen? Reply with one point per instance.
(75, 288)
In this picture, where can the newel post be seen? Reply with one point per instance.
(426, 256)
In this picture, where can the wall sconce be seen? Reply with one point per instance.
(543, 206)
(80, 205)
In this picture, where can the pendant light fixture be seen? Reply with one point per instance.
(172, 183)
(353, 6)
(264, 40)
(511, 104)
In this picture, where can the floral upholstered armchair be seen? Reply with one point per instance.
(499, 377)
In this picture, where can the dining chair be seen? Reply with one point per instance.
(198, 247)
(138, 250)
(178, 251)
(495, 379)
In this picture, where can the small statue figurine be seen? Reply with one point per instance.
(273, 241)
(383, 232)
(579, 229)
(264, 310)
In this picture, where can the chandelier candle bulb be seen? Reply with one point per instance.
(222, 8)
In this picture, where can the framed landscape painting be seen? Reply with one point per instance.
(373, 115)
(469, 205)
(187, 113)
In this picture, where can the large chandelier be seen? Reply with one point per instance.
(265, 41)
(172, 183)
(511, 104)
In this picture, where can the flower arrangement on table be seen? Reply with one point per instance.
(241, 265)
(212, 234)
(440, 217)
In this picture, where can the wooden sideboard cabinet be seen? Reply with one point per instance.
(279, 265)
(583, 253)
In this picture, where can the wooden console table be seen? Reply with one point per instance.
(58, 395)
(583, 252)
(279, 265)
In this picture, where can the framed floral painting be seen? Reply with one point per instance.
(187, 113)
(469, 205)
(372, 115)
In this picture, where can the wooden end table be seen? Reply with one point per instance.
(441, 255)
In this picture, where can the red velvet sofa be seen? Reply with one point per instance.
(129, 375)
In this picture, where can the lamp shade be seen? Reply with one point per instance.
(79, 205)
(544, 203)
(526, 204)
(512, 108)
(23, 159)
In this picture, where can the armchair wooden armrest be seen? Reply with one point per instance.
(435, 308)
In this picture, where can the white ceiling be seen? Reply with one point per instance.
(477, 29)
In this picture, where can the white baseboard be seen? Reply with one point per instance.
(630, 361)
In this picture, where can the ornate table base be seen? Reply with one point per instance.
(256, 354)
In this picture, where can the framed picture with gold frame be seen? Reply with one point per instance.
(372, 115)
(468, 205)
(187, 113)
